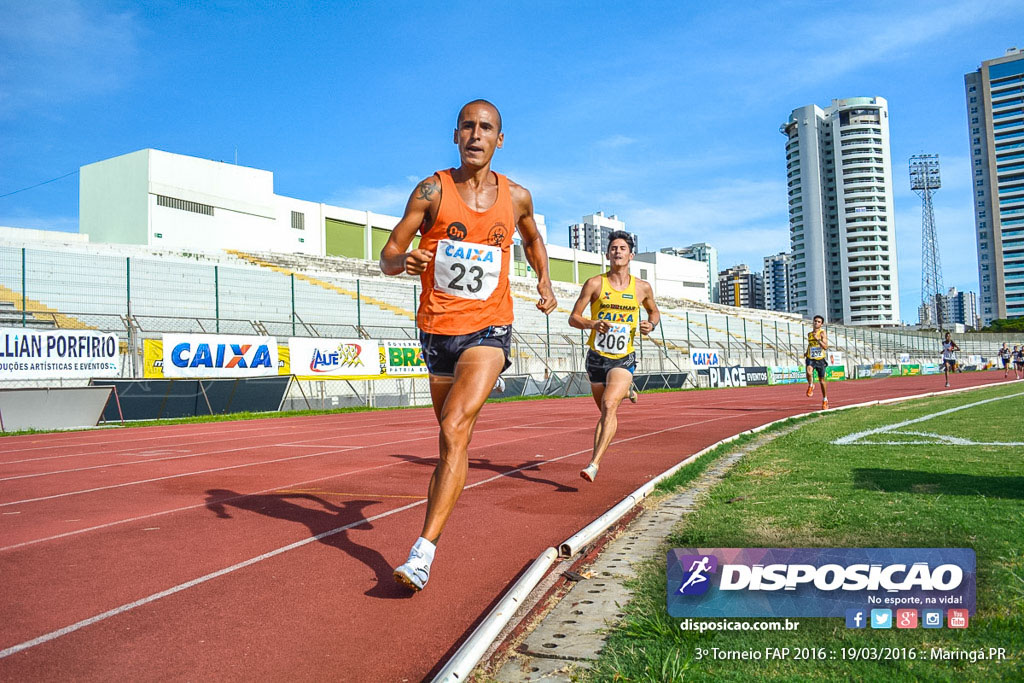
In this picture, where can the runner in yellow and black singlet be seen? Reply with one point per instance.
(816, 358)
(615, 299)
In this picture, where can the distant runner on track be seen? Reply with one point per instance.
(1004, 358)
(1018, 362)
(816, 359)
(465, 217)
(615, 299)
(949, 349)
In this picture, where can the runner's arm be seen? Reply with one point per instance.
(823, 339)
(533, 246)
(647, 301)
(421, 207)
(587, 295)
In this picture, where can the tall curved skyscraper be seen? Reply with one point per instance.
(841, 218)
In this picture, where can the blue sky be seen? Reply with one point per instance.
(665, 113)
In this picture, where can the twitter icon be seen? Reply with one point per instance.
(881, 618)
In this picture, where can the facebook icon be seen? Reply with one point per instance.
(856, 618)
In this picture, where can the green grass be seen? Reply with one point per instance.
(800, 490)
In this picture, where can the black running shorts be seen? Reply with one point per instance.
(441, 351)
(598, 366)
(818, 365)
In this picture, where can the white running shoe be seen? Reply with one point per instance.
(415, 572)
(589, 472)
(632, 393)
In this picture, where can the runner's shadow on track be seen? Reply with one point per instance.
(331, 518)
(913, 481)
(511, 471)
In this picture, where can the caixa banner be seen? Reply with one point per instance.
(219, 355)
(816, 582)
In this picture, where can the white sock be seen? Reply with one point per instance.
(425, 547)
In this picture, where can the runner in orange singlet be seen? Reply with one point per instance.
(465, 217)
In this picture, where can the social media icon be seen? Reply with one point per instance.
(931, 618)
(957, 618)
(856, 618)
(881, 618)
(906, 618)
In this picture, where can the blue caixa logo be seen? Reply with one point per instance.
(696, 577)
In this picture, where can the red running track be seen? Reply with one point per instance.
(264, 549)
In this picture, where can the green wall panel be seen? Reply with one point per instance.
(560, 270)
(343, 238)
(588, 270)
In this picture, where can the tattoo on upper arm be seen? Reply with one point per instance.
(427, 189)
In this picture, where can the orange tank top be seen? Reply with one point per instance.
(465, 285)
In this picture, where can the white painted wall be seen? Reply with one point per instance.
(672, 275)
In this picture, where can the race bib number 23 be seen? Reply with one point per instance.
(466, 270)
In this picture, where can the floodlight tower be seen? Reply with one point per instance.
(924, 179)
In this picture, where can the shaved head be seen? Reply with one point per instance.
(462, 111)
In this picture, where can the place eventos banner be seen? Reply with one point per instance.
(816, 582)
(316, 358)
(218, 355)
(57, 354)
(735, 376)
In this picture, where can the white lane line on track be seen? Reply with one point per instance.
(275, 488)
(52, 635)
(432, 435)
(172, 476)
(104, 447)
(853, 438)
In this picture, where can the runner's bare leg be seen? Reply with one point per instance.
(457, 401)
(615, 389)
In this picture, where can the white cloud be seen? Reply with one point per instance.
(54, 51)
(616, 141)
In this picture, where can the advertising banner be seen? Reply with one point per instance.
(153, 359)
(704, 358)
(735, 376)
(404, 359)
(818, 582)
(316, 358)
(904, 358)
(836, 358)
(834, 373)
(788, 374)
(875, 370)
(219, 355)
(930, 369)
(57, 354)
(910, 369)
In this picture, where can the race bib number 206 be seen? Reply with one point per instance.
(615, 340)
(466, 269)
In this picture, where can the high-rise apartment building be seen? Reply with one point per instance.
(960, 307)
(738, 286)
(701, 251)
(592, 233)
(995, 124)
(777, 282)
(841, 217)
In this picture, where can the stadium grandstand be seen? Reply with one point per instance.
(139, 292)
(275, 266)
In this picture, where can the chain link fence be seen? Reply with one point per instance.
(138, 295)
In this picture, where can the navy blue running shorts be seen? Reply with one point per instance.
(598, 366)
(441, 351)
